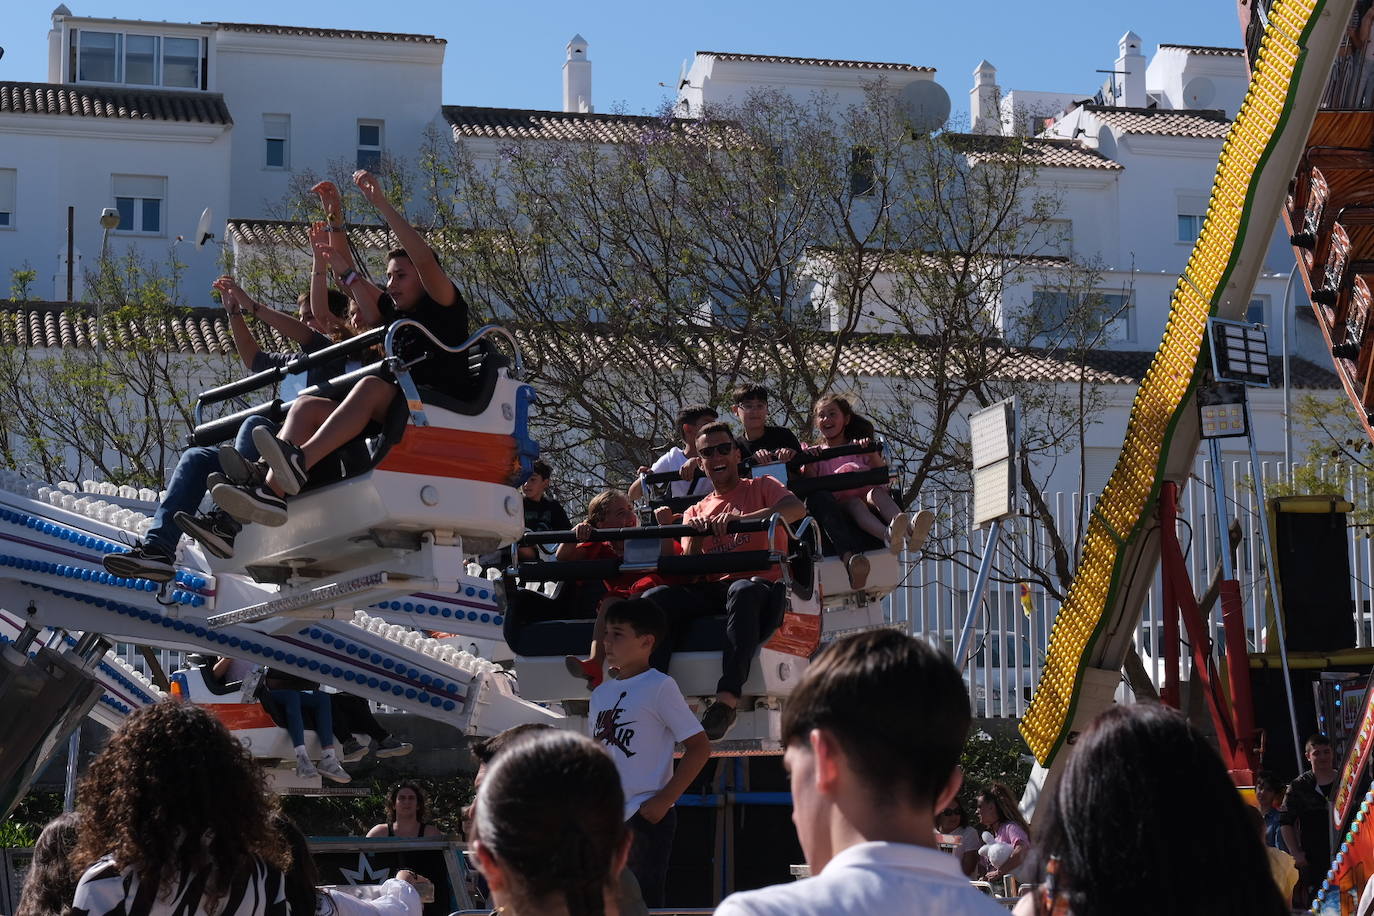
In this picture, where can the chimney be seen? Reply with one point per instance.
(577, 77)
(1130, 72)
(985, 103)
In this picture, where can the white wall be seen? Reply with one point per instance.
(66, 161)
(712, 81)
(325, 85)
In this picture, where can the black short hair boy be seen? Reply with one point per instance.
(641, 615)
(897, 707)
(749, 391)
(693, 414)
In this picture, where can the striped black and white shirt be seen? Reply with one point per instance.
(106, 890)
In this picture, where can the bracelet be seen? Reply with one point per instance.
(349, 277)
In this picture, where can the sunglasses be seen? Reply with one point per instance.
(723, 448)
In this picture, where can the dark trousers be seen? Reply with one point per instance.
(750, 617)
(836, 524)
(353, 716)
(649, 853)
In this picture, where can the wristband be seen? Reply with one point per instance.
(349, 277)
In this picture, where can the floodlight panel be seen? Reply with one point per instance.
(1240, 352)
(993, 489)
(1220, 421)
(990, 432)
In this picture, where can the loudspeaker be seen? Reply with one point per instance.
(1311, 544)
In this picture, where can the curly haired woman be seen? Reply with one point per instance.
(175, 816)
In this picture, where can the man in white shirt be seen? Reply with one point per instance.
(683, 458)
(873, 733)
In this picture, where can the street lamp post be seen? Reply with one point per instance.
(109, 219)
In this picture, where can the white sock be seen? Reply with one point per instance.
(327, 754)
(300, 752)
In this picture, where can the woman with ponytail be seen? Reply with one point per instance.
(549, 832)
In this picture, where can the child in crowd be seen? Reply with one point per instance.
(610, 509)
(639, 718)
(872, 507)
(999, 813)
(761, 443)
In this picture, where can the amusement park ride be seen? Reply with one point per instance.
(438, 486)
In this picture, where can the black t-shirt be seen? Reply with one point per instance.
(447, 372)
(773, 438)
(545, 515)
(263, 360)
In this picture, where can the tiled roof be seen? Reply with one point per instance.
(1208, 124)
(117, 102)
(814, 61)
(308, 32)
(62, 324)
(1100, 367)
(1042, 152)
(285, 233)
(1207, 49)
(527, 124)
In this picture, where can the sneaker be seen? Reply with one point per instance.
(858, 568)
(238, 469)
(920, 530)
(584, 669)
(304, 768)
(391, 746)
(285, 460)
(352, 751)
(250, 504)
(146, 561)
(215, 531)
(331, 768)
(718, 720)
(896, 532)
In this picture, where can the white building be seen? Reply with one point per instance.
(161, 120)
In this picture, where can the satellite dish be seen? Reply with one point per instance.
(923, 106)
(203, 233)
(1199, 92)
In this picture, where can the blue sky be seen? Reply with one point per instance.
(510, 54)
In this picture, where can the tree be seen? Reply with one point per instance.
(115, 401)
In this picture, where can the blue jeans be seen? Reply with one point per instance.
(318, 701)
(650, 851)
(187, 486)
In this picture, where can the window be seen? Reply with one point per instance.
(137, 60)
(276, 129)
(862, 182)
(139, 200)
(1083, 318)
(7, 193)
(1191, 205)
(370, 145)
(1254, 312)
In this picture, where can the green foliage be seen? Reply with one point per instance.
(1339, 455)
(29, 817)
(21, 283)
(993, 758)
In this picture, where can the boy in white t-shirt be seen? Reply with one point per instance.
(640, 717)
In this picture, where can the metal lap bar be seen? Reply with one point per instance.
(656, 532)
(804, 486)
(696, 564)
(837, 451)
(487, 330)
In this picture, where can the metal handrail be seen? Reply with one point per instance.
(487, 330)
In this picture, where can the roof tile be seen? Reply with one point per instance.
(1041, 152)
(814, 61)
(114, 102)
(531, 124)
(310, 32)
(1209, 50)
(1208, 124)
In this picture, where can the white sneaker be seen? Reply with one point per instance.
(331, 768)
(896, 532)
(304, 768)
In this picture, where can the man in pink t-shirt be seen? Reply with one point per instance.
(745, 600)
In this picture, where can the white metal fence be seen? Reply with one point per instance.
(1009, 642)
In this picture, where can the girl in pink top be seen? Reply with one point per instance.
(872, 507)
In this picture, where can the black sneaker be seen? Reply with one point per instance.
(146, 561)
(283, 458)
(251, 504)
(391, 746)
(215, 531)
(239, 469)
(718, 720)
